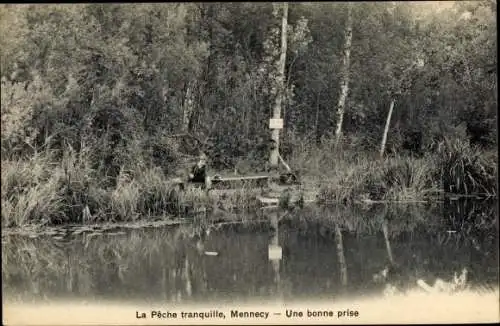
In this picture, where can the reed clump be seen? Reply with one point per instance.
(465, 169)
(455, 167)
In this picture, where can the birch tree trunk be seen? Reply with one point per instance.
(344, 87)
(275, 134)
(386, 129)
(188, 107)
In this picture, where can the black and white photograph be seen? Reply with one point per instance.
(203, 163)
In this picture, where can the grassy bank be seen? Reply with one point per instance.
(50, 189)
(454, 167)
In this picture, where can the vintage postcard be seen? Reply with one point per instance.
(249, 163)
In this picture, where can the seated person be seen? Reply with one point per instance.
(198, 173)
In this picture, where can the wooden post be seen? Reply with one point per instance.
(275, 134)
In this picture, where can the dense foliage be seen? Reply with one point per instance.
(121, 72)
(125, 87)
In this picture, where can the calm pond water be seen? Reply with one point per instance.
(326, 253)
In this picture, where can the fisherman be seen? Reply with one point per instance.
(198, 172)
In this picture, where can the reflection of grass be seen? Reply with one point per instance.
(364, 219)
(40, 265)
(86, 263)
(469, 223)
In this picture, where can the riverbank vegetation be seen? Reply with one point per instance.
(102, 105)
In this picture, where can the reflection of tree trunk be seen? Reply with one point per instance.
(202, 280)
(173, 281)
(164, 284)
(277, 278)
(275, 135)
(274, 224)
(386, 129)
(69, 279)
(187, 277)
(387, 243)
(344, 88)
(180, 275)
(276, 262)
(340, 254)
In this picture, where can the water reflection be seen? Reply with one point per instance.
(340, 255)
(387, 241)
(275, 254)
(292, 260)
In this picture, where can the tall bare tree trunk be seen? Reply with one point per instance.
(188, 107)
(275, 134)
(386, 129)
(344, 87)
(340, 255)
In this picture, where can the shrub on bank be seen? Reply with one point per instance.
(464, 169)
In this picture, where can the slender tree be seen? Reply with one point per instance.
(386, 129)
(344, 86)
(275, 134)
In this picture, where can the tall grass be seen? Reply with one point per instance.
(465, 169)
(157, 196)
(30, 192)
(125, 199)
(456, 167)
(409, 179)
(48, 190)
(53, 189)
